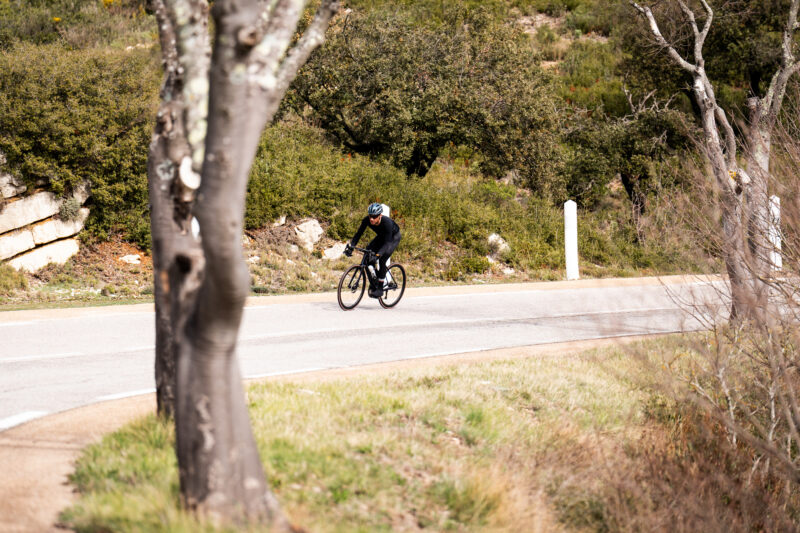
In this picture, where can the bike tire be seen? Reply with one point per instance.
(391, 297)
(352, 282)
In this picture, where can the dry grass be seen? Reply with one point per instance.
(583, 442)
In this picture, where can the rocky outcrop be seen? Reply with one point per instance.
(334, 252)
(33, 208)
(30, 227)
(497, 246)
(55, 228)
(10, 186)
(308, 234)
(58, 252)
(16, 242)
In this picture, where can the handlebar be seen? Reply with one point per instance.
(365, 252)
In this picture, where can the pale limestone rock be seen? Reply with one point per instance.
(58, 252)
(334, 252)
(132, 259)
(15, 242)
(11, 186)
(54, 229)
(280, 221)
(28, 210)
(508, 271)
(293, 248)
(308, 234)
(497, 245)
(35, 207)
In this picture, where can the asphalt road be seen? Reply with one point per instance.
(55, 360)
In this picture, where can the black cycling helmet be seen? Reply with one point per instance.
(375, 209)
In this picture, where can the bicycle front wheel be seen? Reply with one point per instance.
(397, 286)
(351, 287)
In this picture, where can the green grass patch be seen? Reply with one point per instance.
(490, 446)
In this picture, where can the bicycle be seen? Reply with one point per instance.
(354, 281)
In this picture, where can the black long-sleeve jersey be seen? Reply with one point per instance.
(387, 230)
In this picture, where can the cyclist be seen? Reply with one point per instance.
(387, 237)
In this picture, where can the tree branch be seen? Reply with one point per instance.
(690, 17)
(648, 14)
(773, 100)
(709, 19)
(312, 38)
(194, 56)
(249, 36)
(730, 136)
(268, 41)
(699, 37)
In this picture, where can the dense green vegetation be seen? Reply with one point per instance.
(384, 84)
(77, 103)
(466, 117)
(297, 173)
(70, 116)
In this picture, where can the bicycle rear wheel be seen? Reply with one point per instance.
(397, 286)
(351, 287)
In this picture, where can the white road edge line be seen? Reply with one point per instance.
(121, 395)
(40, 357)
(21, 418)
(140, 348)
(65, 355)
(18, 323)
(288, 372)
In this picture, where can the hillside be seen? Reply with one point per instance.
(500, 161)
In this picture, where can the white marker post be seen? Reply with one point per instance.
(571, 239)
(775, 232)
(388, 212)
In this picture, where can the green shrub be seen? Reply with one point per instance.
(589, 79)
(72, 116)
(387, 86)
(69, 209)
(297, 173)
(11, 280)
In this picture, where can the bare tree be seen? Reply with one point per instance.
(747, 377)
(214, 108)
(763, 117)
(744, 200)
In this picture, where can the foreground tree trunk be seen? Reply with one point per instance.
(198, 169)
(170, 209)
(744, 199)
